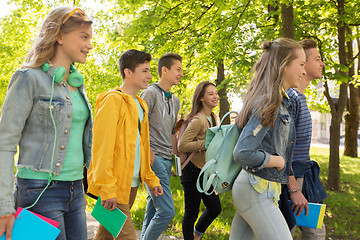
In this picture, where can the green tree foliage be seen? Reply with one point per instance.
(16, 33)
(205, 33)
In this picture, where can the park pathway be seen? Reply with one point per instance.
(92, 226)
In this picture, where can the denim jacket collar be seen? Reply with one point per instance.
(286, 100)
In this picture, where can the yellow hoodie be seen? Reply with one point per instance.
(113, 153)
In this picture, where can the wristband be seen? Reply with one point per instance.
(7, 215)
(294, 190)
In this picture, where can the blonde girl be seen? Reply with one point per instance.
(47, 114)
(266, 143)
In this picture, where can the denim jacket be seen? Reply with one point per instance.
(256, 143)
(26, 122)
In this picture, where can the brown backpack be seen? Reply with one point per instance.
(180, 127)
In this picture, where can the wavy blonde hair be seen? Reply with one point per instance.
(46, 41)
(265, 91)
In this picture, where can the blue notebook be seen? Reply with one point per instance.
(113, 221)
(315, 217)
(30, 227)
(176, 166)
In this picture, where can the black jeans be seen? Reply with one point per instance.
(192, 204)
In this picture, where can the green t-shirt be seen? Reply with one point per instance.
(74, 159)
(136, 176)
(167, 94)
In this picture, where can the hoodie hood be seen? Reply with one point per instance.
(116, 90)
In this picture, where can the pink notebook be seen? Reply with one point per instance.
(48, 220)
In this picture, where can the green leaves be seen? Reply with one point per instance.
(17, 30)
(202, 31)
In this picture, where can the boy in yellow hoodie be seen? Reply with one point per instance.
(121, 146)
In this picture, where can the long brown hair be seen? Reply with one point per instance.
(197, 105)
(46, 41)
(265, 91)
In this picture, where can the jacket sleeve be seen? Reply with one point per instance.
(104, 138)
(16, 109)
(188, 142)
(248, 148)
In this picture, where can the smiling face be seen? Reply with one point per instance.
(313, 65)
(295, 70)
(211, 97)
(140, 77)
(174, 74)
(75, 45)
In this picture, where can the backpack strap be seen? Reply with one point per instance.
(207, 181)
(180, 127)
(225, 115)
(212, 181)
(187, 160)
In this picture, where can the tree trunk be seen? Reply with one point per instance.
(273, 8)
(352, 123)
(334, 159)
(224, 103)
(358, 63)
(337, 109)
(358, 45)
(287, 17)
(352, 117)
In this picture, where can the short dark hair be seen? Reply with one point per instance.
(131, 59)
(167, 60)
(308, 43)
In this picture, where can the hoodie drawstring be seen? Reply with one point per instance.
(167, 102)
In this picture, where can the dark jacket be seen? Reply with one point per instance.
(312, 189)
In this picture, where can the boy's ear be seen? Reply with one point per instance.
(164, 70)
(127, 72)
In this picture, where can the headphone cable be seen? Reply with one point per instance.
(54, 146)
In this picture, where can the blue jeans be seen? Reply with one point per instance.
(63, 202)
(159, 210)
(256, 216)
(192, 204)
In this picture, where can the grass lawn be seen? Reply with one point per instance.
(342, 218)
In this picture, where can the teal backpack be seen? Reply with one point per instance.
(220, 170)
